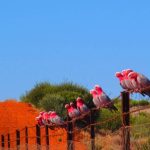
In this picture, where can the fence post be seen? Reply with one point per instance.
(26, 137)
(70, 145)
(18, 139)
(2, 142)
(8, 141)
(92, 132)
(125, 120)
(38, 137)
(47, 137)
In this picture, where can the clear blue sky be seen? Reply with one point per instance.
(81, 41)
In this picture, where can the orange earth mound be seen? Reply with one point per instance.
(18, 115)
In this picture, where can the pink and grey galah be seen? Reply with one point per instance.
(72, 111)
(141, 81)
(126, 78)
(45, 117)
(133, 79)
(39, 120)
(105, 101)
(81, 106)
(96, 100)
(120, 76)
(75, 110)
(56, 119)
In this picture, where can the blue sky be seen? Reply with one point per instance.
(81, 41)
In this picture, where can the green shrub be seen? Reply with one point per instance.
(37, 93)
(68, 91)
(53, 102)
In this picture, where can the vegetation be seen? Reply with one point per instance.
(105, 116)
(53, 97)
(48, 96)
(139, 103)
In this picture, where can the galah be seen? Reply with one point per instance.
(56, 119)
(96, 100)
(49, 120)
(105, 101)
(75, 110)
(121, 79)
(133, 79)
(70, 111)
(39, 120)
(142, 82)
(126, 79)
(45, 117)
(81, 106)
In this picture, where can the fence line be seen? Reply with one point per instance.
(70, 130)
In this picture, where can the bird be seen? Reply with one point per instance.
(96, 100)
(45, 117)
(75, 110)
(141, 81)
(133, 79)
(126, 79)
(71, 111)
(81, 106)
(39, 121)
(56, 119)
(121, 79)
(105, 101)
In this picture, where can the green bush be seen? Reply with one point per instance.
(68, 91)
(37, 93)
(53, 102)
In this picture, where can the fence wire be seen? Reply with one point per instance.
(108, 138)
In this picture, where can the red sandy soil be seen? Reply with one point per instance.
(17, 115)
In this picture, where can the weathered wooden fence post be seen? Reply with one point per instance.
(47, 137)
(8, 141)
(18, 139)
(26, 137)
(2, 142)
(70, 145)
(125, 120)
(92, 130)
(38, 137)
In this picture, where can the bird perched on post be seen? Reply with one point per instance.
(105, 101)
(81, 106)
(40, 119)
(75, 110)
(96, 100)
(133, 79)
(141, 82)
(55, 119)
(72, 111)
(126, 79)
(120, 76)
(125, 82)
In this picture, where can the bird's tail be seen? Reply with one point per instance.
(146, 93)
(113, 108)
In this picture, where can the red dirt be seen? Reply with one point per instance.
(16, 115)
